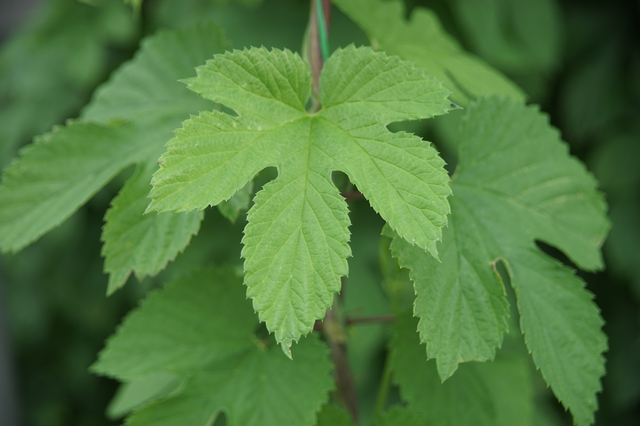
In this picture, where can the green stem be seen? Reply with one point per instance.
(322, 30)
(318, 44)
(385, 385)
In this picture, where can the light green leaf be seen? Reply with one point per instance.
(138, 242)
(497, 393)
(515, 184)
(422, 40)
(240, 201)
(202, 329)
(296, 237)
(59, 173)
(461, 301)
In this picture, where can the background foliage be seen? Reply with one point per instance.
(579, 59)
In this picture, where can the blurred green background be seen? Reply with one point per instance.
(579, 59)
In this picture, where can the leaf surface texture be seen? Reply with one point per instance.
(295, 243)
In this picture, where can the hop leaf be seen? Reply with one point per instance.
(515, 183)
(127, 122)
(296, 237)
(201, 329)
(142, 243)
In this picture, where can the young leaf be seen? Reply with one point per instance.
(497, 393)
(423, 41)
(296, 238)
(202, 329)
(515, 184)
(138, 242)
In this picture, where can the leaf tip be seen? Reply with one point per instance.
(286, 348)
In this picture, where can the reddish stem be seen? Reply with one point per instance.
(371, 320)
(352, 195)
(344, 379)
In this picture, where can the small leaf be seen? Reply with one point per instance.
(142, 243)
(201, 328)
(296, 238)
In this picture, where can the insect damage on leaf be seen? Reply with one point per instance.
(296, 239)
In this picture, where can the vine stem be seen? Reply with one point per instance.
(318, 326)
(371, 319)
(332, 327)
(383, 390)
(318, 43)
(337, 339)
(352, 195)
(323, 28)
